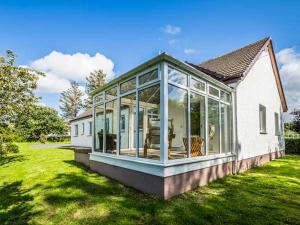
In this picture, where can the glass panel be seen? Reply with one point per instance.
(149, 123)
(111, 93)
(177, 77)
(277, 132)
(98, 98)
(111, 127)
(197, 115)
(127, 128)
(262, 119)
(152, 75)
(225, 128)
(225, 96)
(99, 128)
(177, 132)
(197, 85)
(214, 91)
(128, 86)
(213, 127)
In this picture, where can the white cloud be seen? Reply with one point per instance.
(169, 29)
(289, 62)
(60, 68)
(189, 51)
(172, 42)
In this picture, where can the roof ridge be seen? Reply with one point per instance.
(236, 50)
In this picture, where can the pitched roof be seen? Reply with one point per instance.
(85, 114)
(233, 65)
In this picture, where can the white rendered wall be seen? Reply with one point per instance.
(83, 139)
(258, 87)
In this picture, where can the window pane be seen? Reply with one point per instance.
(197, 115)
(176, 76)
(98, 98)
(197, 85)
(213, 127)
(111, 93)
(225, 128)
(214, 91)
(149, 123)
(128, 86)
(111, 127)
(262, 119)
(177, 133)
(90, 128)
(76, 130)
(99, 128)
(152, 75)
(277, 132)
(127, 121)
(225, 96)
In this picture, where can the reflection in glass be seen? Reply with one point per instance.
(98, 98)
(111, 93)
(225, 128)
(128, 86)
(225, 96)
(197, 84)
(152, 75)
(111, 127)
(213, 127)
(127, 120)
(99, 128)
(197, 117)
(213, 91)
(176, 76)
(177, 114)
(149, 123)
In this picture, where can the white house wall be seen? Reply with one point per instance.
(258, 87)
(83, 139)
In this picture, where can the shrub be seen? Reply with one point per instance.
(292, 145)
(11, 147)
(43, 138)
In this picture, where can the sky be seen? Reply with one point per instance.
(69, 39)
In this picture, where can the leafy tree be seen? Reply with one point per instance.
(95, 80)
(71, 101)
(16, 88)
(296, 120)
(40, 120)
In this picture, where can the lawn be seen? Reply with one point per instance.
(45, 186)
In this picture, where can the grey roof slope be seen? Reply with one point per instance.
(233, 65)
(85, 114)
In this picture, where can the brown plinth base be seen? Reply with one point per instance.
(167, 187)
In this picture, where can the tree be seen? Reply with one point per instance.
(41, 120)
(16, 88)
(95, 80)
(296, 120)
(71, 101)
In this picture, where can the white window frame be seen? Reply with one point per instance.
(262, 119)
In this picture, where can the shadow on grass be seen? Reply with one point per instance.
(14, 204)
(7, 159)
(250, 198)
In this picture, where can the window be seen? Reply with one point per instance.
(197, 125)
(262, 119)
(213, 91)
(82, 133)
(225, 96)
(99, 128)
(111, 93)
(147, 77)
(277, 129)
(127, 129)
(90, 127)
(110, 138)
(225, 128)
(178, 121)
(76, 130)
(149, 127)
(128, 86)
(98, 98)
(213, 127)
(198, 85)
(176, 76)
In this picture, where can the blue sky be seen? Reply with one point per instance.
(126, 33)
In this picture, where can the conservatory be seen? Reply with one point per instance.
(163, 127)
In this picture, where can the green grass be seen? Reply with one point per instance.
(45, 186)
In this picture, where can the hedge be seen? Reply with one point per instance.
(292, 145)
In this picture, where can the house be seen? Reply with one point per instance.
(81, 129)
(167, 126)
